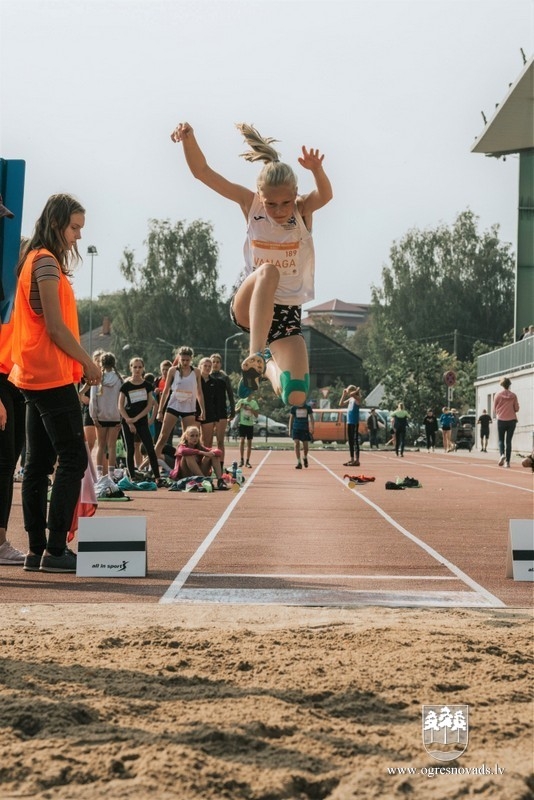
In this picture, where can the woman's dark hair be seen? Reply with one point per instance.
(48, 231)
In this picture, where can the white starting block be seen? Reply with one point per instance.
(111, 547)
(520, 554)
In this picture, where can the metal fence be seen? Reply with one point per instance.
(507, 359)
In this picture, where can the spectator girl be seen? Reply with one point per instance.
(352, 398)
(192, 458)
(445, 422)
(104, 411)
(180, 396)
(136, 400)
(224, 396)
(209, 389)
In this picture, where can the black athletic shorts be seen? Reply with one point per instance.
(286, 322)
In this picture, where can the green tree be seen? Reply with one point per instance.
(415, 375)
(174, 296)
(448, 285)
(176, 288)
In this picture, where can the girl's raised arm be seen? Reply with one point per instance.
(322, 194)
(196, 161)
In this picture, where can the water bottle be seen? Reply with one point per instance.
(234, 470)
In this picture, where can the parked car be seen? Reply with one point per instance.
(265, 426)
(330, 424)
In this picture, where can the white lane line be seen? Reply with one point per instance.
(319, 577)
(185, 572)
(430, 550)
(424, 465)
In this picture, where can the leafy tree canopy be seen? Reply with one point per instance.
(449, 285)
(174, 296)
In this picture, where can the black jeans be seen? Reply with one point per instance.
(54, 433)
(430, 438)
(354, 441)
(11, 442)
(143, 431)
(400, 437)
(505, 431)
(373, 438)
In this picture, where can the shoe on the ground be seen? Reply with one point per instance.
(252, 369)
(32, 562)
(222, 486)
(162, 483)
(410, 483)
(10, 555)
(305, 462)
(392, 485)
(63, 563)
(248, 464)
(241, 463)
(507, 465)
(502, 459)
(298, 465)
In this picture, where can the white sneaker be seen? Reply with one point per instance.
(502, 459)
(9, 555)
(507, 465)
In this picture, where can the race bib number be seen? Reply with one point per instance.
(283, 255)
(137, 396)
(182, 396)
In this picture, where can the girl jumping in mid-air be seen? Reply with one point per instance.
(279, 260)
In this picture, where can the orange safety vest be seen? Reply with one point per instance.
(6, 335)
(38, 363)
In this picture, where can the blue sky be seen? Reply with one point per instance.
(390, 90)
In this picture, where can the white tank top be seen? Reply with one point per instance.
(183, 395)
(289, 247)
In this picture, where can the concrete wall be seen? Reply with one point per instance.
(523, 386)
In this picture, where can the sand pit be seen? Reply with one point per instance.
(264, 703)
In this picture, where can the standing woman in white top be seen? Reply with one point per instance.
(279, 260)
(104, 411)
(183, 389)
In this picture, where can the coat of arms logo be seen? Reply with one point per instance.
(445, 731)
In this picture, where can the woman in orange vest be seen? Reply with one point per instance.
(48, 363)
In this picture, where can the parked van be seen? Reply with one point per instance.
(330, 424)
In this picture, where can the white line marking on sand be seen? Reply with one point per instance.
(334, 598)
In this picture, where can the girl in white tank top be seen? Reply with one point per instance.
(279, 260)
(183, 390)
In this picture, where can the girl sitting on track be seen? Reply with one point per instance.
(192, 458)
(279, 260)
